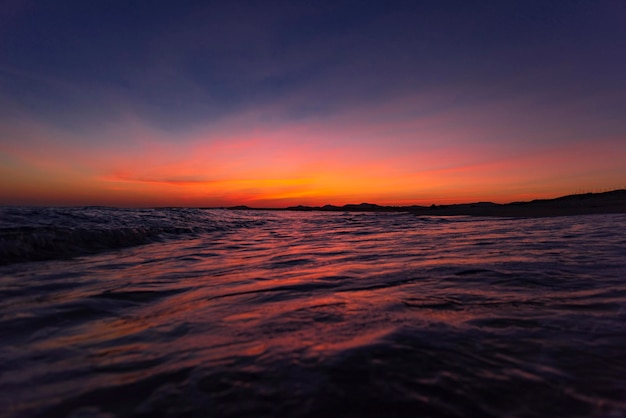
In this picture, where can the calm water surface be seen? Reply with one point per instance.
(252, 314)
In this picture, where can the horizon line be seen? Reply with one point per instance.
(316, 207)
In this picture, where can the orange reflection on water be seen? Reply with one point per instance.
(311, 283)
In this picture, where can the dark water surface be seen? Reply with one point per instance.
(252, 314)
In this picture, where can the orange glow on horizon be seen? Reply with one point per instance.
(342, 160)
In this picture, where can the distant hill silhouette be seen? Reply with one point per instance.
(577, 204)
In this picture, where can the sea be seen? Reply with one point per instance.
(109, 312)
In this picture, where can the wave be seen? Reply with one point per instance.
(36, 234)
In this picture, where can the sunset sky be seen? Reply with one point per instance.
(277, 103)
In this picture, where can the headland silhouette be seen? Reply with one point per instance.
(576, 204)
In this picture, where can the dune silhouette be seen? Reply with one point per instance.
(576, 204)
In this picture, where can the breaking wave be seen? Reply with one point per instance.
(35, 234)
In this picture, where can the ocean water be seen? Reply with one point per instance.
(216, 313)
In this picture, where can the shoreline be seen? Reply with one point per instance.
(570, 205)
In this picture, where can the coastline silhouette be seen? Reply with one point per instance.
(576, 204)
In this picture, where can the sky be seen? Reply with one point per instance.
(278, 103)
